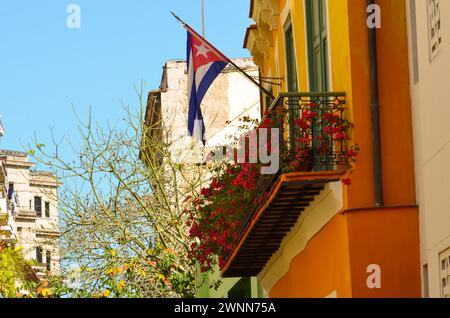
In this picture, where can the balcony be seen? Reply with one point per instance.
(7, 228)
(48, 233)
(25, 215)
(313, 151)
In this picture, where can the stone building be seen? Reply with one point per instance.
(8, 232)
(8, 225)
(31, 199)
(229, 98)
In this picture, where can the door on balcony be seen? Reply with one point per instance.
(317, 37)
(292, 84)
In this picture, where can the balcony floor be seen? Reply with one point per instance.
(291, 194)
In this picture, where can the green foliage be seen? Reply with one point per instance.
(159, 274)
(124, 231)
(17, 278)
(12, 271)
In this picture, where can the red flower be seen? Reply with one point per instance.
(303, 124)
(332, 118)
(307, 114)
(352, 153)
(214, 184)
(247, 185)
(346, 181)
(205, 192)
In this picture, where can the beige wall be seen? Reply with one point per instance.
(430, 79)
(231, 96)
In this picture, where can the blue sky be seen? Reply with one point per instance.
(46, 68)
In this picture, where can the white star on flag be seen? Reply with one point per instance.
(202, 50)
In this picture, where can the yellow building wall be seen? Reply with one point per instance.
(321, 268)
(395, 103)
(389, 238)
(329, 262)
(361, 193)
(395, 100)
(337, 259)
(349, 72)
(317, 216)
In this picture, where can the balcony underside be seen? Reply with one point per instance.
(291, 194)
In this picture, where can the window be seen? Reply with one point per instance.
(434, 27)
(10, 190)
(444, 265)
(38, 206)
(39, 255)
(291, 67)
(48, 260)
(47, 209)
(426, 287)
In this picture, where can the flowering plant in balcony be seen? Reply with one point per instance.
(217, 212)
(320, 137)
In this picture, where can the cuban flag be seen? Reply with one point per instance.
(204, 63)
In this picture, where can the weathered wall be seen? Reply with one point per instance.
(231, 96)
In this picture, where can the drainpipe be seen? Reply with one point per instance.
(375, 110)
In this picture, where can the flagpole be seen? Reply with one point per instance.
(203, 18)
(217, 52)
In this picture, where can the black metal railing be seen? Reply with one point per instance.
(324, 153)
(315, 137)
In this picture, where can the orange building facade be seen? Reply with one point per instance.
(318, 236)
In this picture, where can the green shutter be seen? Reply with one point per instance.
(290, 58)
(317, 45)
